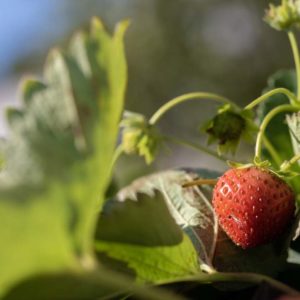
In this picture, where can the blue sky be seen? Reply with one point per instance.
(23, 23)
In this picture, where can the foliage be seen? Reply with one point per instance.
(63, 239)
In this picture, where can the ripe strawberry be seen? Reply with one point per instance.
(253, 205)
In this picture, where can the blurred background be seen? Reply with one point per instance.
(173, 47)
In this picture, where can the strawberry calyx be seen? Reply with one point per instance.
(284, 171)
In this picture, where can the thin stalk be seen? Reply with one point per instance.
(266, 96)
(241, 277)
(190, 96)
(295, 50)
(270, 148)
(200, 182)
(264, 124)
(196, 147)
(290, 162)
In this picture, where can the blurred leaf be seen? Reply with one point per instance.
(290, 275)
(142, 233)
(84, 286)
(277, 131)
(61, 286)
(267, 259)
(58, 156)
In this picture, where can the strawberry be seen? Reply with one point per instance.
(253, 205)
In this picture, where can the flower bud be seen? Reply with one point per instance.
(139, 137)
(285, 16)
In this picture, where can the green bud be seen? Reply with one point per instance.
(139, 137)
(285, 16)
(228, 127)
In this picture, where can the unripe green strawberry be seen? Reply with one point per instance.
(253, 205)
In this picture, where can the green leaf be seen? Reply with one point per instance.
(142, 233)
(293, 122)
(190, 207)
(57, 158)
(87, 286)
(277, 131)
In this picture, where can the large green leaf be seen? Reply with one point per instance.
(190, 207)
(277, 131)
(141, 233)
(84, 286)
(57, 158)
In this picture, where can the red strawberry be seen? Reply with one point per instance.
(253, 205)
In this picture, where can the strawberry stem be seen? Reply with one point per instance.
(295, 50)
(292, 97)
(196, 147)
(190, 96)
(265, 122)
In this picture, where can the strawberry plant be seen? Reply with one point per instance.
(67, 232)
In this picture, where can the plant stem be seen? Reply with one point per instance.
(295, 50)
(196, 147)
(265, 122)
(290, 162)
(274, 154)
(289, 94)
(200, 182)
(190, 96)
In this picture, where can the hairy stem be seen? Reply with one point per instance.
(290, 162)
(266, 96)
(265, 122)
(272, 151)
(295, 50)
(196, 147)
(190, 96)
